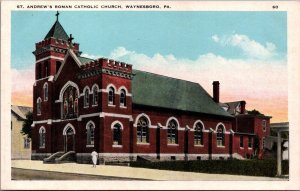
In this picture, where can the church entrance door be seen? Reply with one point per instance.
(69, 140)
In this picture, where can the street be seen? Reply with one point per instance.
(26, 174)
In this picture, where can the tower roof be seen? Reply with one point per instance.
(57, 31)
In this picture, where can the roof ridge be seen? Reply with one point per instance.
(166, 76)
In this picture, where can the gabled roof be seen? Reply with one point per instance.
(165, 92)
(58, 32)
(84, 60)
(231, 106)
(21, 111)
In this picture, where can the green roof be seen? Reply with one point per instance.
(165, 92)
(58, 32)
(84, 60)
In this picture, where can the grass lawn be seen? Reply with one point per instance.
(237, 167)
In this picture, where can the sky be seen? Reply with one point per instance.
(245, 51)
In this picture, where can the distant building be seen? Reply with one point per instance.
(249, 128)
(20, 144)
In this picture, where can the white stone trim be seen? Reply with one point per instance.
(51, 57)
(141, 143)
(66, 127)
(90, 122)
(117, 146)
(173, 144)
(40, 129)
(116, 122)
(72, 54)
(51, 78)
(142, 115)
(87, 146)
(104, 114)
(88, 115)
(85, 88)
(220, 123)
(198, 121)
(113, 86)
(63, 89)
(95, 85)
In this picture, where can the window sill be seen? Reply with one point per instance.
(86, 107)
(199, 145)
(250, 148)
(89, 145)
(221, 147)
(173, 144)
(139, 143)
(94, 105)
(123, 107)
(41, 147)
(39, 114)
(241, 147)
(117, 146)
(110, 105)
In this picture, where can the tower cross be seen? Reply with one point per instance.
(70, 39)
(57, 14)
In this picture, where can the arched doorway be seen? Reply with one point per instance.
(69, 138)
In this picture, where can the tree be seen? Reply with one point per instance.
(255, 112)
(26, 129)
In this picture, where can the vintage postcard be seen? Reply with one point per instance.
(150, 95)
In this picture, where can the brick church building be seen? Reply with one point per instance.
(82, 105)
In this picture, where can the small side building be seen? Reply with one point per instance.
(20, 144)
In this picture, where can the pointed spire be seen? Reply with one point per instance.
(57, 31)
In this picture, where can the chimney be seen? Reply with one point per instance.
(243, 107)
(216, 91)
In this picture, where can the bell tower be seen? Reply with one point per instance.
(50, 52)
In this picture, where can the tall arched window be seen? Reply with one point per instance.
(90, 135)
(123, 97)
(220, 136)
(111, 96)
(198, 134)
(172, 132)
(38, 106)
(86, 98)
(142, 130)
(95, 95)
(42, 137)
(117, 134)
(70, 103)
(47, 69)
(45, 92)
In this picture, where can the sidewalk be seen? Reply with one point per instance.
(130, 172)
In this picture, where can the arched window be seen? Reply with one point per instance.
(58, 64)
(45, 92)
(38, 106)
(123, 97)
(117, 134)
(172, 132)
(111, 96)
(142, 130)
(90, 135)
(70, 103)
(42, 137)
(198, 134)
(95, 95)
(220, 136)
(86, 98)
